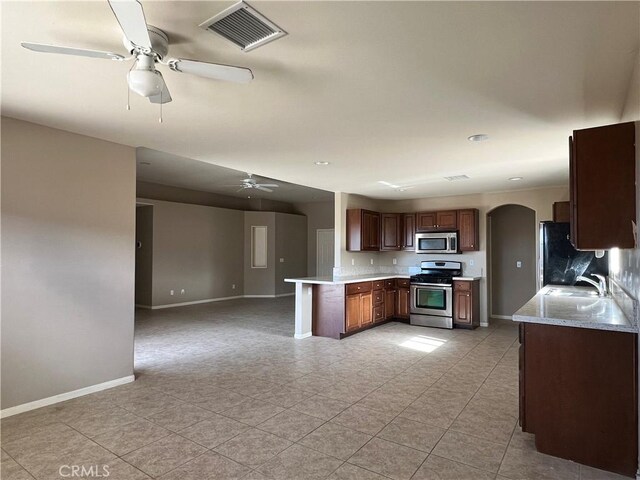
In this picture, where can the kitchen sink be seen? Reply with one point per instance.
(562, 292)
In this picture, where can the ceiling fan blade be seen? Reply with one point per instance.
(130, 16)
(240, 189)
(214, 71)
(79, 52)
(162, 97)
(260, 187)
(270, 185)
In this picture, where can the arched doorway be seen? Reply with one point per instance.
(512, 262)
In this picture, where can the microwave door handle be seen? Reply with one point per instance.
(452, 244)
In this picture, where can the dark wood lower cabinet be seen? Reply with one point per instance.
(340, 310)
(578, 394)
(466, 303)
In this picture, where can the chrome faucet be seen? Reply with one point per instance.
(601, 285)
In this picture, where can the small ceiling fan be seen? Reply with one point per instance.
(250, 183)
(148, 46)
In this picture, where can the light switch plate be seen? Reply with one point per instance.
(518, 264)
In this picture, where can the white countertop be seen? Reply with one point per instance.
(574, 307)
(346, 279)
(466, 279)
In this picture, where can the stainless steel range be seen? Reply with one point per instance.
(432, 294)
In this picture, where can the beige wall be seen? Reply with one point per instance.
(320, 215)
(287, 240)
(198, 249)
(260, 281)
(540, 200)
(68, 213)
(144, 254)
(512, 231)
(155, 191)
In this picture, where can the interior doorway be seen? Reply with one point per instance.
(325, 246)
(144, 255)
(512, 264)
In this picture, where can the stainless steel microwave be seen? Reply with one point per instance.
(437, 242)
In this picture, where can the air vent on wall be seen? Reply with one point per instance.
(244, 26)
(457, 177)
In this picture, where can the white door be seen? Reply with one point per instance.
(324, 252)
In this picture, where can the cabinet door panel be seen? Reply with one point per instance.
(402, 310)
(390, 231)
(366, 308)
(462, 307)
(447, 220)
(468, 225)
(425, 221)
(352, 312)
(409, 231)
(389, 303)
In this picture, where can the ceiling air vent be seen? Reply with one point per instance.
(244, 26)
(457, 177)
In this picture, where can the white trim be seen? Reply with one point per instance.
(148, 307)
(503, 317)
(195, 302)
(300, 336)
(285, 294)
(259, 296)
(484, 324)
(25, 407)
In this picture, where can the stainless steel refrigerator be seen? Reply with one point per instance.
(560, 263)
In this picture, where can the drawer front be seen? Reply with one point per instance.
(378, 297)
(358, 287)
(389, 284)
(378, 313)
(403, 282)
(461, 285)
(378, 285)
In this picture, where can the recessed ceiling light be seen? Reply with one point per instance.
(145, 163)
(479, 137)
(515, 179)
(322, 163)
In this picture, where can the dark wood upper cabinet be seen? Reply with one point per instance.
(561, 212)
(603, 191)
(434, 221)
(363, 230)
(391, 231)
(469, 231)
(409, 231)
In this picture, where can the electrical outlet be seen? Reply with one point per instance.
(353, 261)
(170, 292)
(471, 262)
(395, 261)
(372, 261)
(518, 264)
(182, 292)
(282, 260)
(233, 286)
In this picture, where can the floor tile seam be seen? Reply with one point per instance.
(467, 403)
(19, 464)
(342, 462)
(376, 437)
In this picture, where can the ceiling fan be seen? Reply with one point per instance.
(250, 183)
(148, 46)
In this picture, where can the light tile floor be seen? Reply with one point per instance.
(225, 392)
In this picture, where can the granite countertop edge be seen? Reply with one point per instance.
(610, 322)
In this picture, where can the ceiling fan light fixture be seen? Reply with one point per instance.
(322, 163)
(515, 179)
(479, 137)
(144, 79)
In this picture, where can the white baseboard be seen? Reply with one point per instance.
(484, 324)
(271, 296)
(285, 294)
(195, 302)
(25, 407)
(300, 336)
(502, 317)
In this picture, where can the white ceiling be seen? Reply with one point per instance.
(383, 90)
(160, 167)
